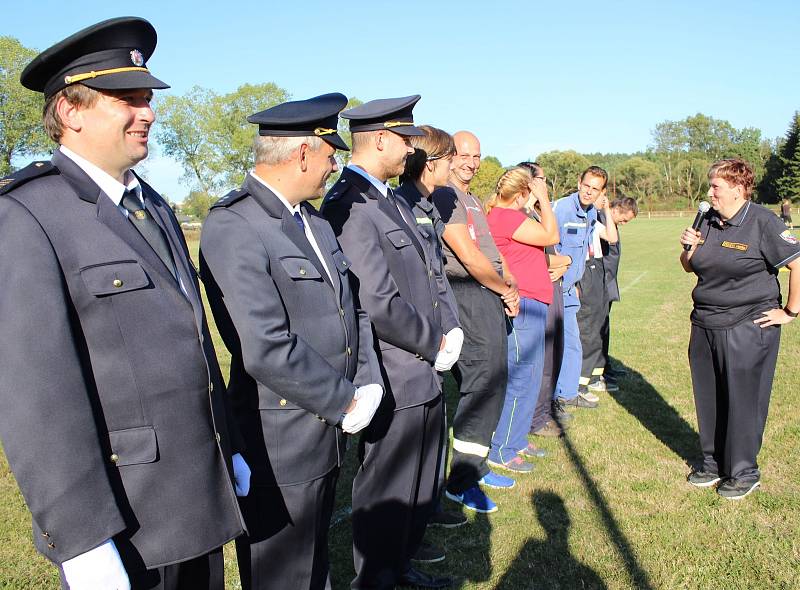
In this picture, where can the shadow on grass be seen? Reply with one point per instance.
(548, 563)
(644, 403)
(639, 578)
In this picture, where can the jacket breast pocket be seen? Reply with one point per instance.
(133, 446)
(398, 238)
(341, 261)
(299, 268)
(110, 278)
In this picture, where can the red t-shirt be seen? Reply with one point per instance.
(526, 263)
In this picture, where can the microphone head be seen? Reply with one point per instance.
(703, 207)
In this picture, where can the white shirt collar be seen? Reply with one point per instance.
(381, 186)
(292, 208)
(107, 183)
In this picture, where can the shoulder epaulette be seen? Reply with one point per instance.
(337, 190)
(230, 198)
(20, 177)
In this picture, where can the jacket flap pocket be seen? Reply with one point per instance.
(109, 278)
(299, 268)
(342, 262)
(399, 238)
(133, 446)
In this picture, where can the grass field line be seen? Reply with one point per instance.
(638, 278)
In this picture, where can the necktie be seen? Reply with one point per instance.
(393, 200)
(150, 230)
(299, 219)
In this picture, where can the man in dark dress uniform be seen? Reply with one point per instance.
(396, 484)
(112, 411)
(303, 370)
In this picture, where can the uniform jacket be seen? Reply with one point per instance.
(299, 344)
(397, 285)
(431, 227)
(575, 227)
(611, 255)
(112, 412)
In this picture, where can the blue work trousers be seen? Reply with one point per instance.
(525, 365)
(570, 374)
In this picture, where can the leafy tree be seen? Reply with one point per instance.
(639, 178)
(691, 177)
(563, 169)
(209, 134)
(197, 204)
(21, 131)
(485, 180)
(788, 184)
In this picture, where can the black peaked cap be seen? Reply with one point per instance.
(109, 55)
(394, 114)
(318, 116)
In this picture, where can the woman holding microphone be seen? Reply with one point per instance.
(733, 348)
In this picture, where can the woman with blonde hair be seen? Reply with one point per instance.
(521, 240)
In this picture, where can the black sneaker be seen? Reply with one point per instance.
(428, 553)
(703, 479)
(560, 413)
(551, 428)
(447, 519)
(734, 489)
(579, 401)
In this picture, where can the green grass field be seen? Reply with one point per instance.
(610, 506)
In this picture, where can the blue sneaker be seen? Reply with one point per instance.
(496, 481)
(474, 499)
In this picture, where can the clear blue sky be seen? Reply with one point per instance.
(525, 76)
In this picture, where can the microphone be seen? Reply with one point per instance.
(702, 209)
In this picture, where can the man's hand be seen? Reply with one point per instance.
(367, 399)
(448, 355)
(100, 567)
(241, 475)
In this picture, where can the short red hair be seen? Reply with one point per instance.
(734, 171)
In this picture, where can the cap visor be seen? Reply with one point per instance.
(125, 80)
(336, 141)
(408, 130)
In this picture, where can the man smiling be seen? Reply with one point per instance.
(112, 412)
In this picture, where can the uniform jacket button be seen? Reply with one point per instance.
(302, 271)
(117, 283)
(282, 402)
(349, 351)
(210, 388)
(45, 534)
(114, 458)
(217, 436)
(51, 545)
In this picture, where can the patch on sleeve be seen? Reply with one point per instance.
(787, 236)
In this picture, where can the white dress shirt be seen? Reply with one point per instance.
(306, 227)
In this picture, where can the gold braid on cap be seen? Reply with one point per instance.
(390, 124)
(323, 131)
(79, 77)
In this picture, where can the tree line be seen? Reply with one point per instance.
(207, 134)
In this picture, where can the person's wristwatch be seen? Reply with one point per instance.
(791, 314)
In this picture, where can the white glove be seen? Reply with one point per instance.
(241, 475)
(100, 567)
(448, 356)
(368, 398)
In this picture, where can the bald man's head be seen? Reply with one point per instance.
(467, 159)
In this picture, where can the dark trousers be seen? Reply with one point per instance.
(553, 350)
(481, 375)
(591, 316)
(732, 371)
(201, 573)
(605, 334)
(287, 544)
(394, 490)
